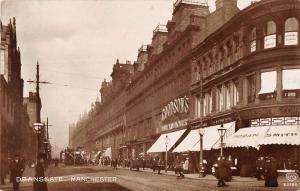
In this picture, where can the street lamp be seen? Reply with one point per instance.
(167, 139)
(46, 151)
(38, 127)
(222, 132)
(201, 132)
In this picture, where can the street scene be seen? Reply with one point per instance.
(149, 95)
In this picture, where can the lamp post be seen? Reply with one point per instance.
(38, 127)
(222, 132)
(201, 168)
(167, 139)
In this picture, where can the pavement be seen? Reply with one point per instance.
(145, 180)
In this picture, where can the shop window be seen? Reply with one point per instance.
(291, 31)
(204, 105)
(2, 61)
(207, 104)
(253, 40)
(291, 79)
(198, 106)
(252, 88)
(228, 96)
(235, 93)
(268, 82)
(270, 35)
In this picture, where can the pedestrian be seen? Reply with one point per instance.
(159, 165)
(115, 163)
(271, 172)
(186, 165)
(260, 163)
(155, 163)
(3, 169)
(144, 163)
(204, 168)
(222, 171)
(39, 183)
(16, 171)
(229, 164)
(178, 167)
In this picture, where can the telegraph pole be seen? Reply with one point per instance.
(37, 82)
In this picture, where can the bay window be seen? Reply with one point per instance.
(291, 31)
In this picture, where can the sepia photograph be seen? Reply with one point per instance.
(149, 95)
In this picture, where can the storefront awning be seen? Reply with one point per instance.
(210, 137)
(282, 135)
(107, 152)
(246, 137)
(160, 145)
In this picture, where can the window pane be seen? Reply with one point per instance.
(291, 38)
(270, 41)
(228, 97)
(291, 24)
(268, 82)
(271, 28)
(253, 46)
(2, 61)
(291, 79)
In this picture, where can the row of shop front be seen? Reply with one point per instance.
(243, 145)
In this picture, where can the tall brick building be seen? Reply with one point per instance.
(14, 122)
(206, 69)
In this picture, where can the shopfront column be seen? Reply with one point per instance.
(257, 86)
(279, 84)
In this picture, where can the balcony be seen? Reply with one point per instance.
(191, 2)
(143, 48)
(160, 28)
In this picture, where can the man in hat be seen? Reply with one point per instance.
(39, 183)
(16, 171)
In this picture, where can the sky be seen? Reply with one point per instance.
(76, 43)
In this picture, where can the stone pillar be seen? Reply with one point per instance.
(279, 84)
(257, 86)
(260, 37)
(280, 34)
(241, 80)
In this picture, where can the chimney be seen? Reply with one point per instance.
(225, 3)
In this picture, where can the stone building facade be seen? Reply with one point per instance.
(248, 70)
(223, 66)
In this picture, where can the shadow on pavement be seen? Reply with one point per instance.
(63, 186)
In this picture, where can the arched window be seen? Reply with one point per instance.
(291, 31)
(253, 40)
(270, 35)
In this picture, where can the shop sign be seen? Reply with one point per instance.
(291, 38)
(179, 105)
(270, 41)
(281, 134)
(253, 46)
(174, 125)
(247, 135)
